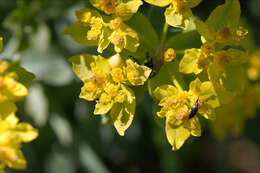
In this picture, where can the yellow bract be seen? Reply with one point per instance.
(123, 9)
(107, 80)
(92, 30)
(177, 106)
(178, 13)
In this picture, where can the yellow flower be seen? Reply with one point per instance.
(123, 9)
(106, 80)
(11, 90)
(118, 40)
(169, 55)
(178, 12)
(92, 30)
(96, 24)
(115, 24)
(117, 74)
(136, 74)
(112, 90)
(180, 109)
(12, 134)
(4, 65)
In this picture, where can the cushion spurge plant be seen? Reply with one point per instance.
(214, 67)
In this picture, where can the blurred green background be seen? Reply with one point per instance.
(71, 139)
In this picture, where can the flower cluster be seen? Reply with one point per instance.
(218, 71)
(92, 30)
(179, 108)
(12, 132)
(107, 81)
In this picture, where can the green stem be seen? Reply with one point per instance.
(175, 81)
(177, 84)
(158, 58)
(164, 33)
(180, 51)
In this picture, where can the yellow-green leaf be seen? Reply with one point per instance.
(101, 108)
(81, 65)
(78, 32)
(176, 135)
(206, 31)
(177, 19)
(24, 76)
(126, 10)
(189, 61)
(208, 93)
(164, 91)
(226, 15)
(122, 114)
(136, 74)
(215, 77)
(192, 3)
(194, 126)
(104, 40)
(6, 109)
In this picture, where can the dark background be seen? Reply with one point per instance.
(71, 139)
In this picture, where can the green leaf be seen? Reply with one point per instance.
(122, 114)
(225, 96)
(205, 30)
(226, 15)
(184, 40)
(164, 91)
(147, 35)
(6, 109)
(78, 32)
(19, 18)
(193, 3)
(235, 78)
(148, 38)
(167, 75)
(24, 76)
(81, 65)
